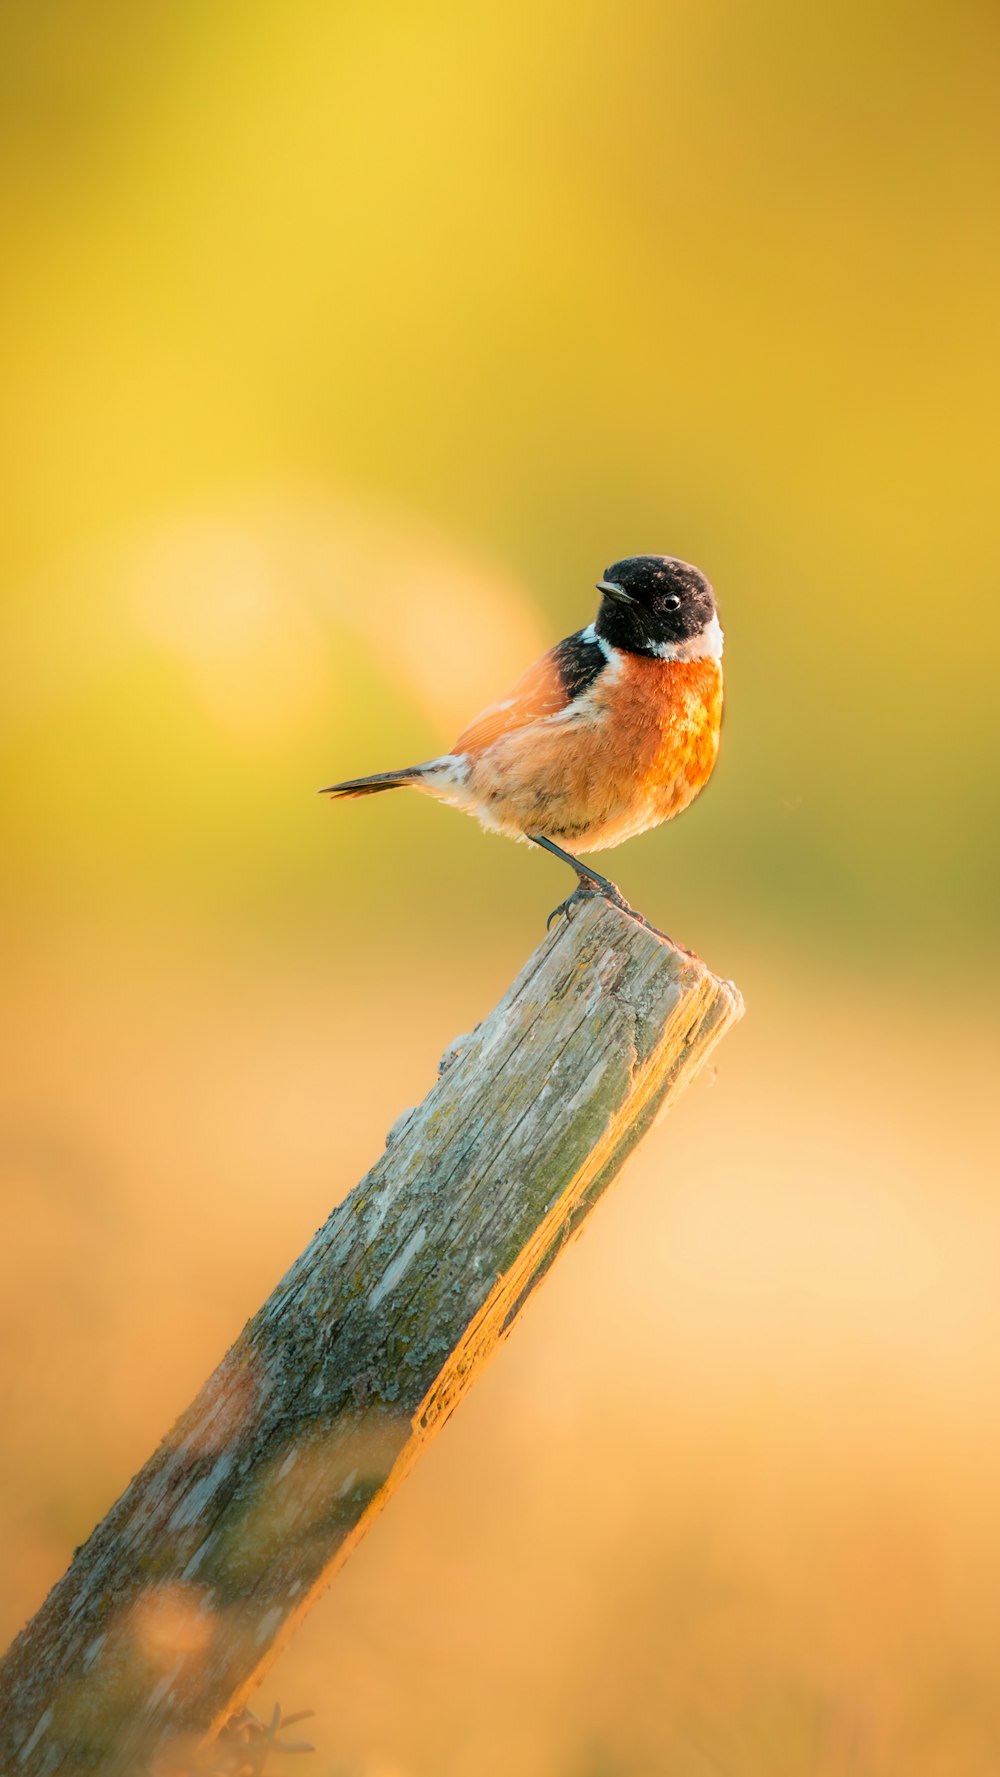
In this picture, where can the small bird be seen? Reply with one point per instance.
(611, 732)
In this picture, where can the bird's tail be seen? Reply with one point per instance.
(371, 786)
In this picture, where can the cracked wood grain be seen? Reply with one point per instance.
(170, 1613)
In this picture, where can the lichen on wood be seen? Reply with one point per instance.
(172, 1610)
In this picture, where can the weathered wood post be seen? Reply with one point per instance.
(171, 1611)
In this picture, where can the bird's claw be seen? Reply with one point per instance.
(587, 890)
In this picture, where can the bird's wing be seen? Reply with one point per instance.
(555, 681)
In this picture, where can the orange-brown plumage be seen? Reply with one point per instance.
(638, 755)
(612, 732)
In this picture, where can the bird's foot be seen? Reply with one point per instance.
(590, 883)
(593, 885)
(586, 889)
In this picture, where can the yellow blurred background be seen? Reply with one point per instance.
(343, 347)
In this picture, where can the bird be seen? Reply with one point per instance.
(613, 731)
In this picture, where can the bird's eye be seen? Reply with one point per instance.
(672, 602)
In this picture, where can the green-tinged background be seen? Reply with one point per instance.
(343, 347)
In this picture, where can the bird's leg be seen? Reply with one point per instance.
(589, 882)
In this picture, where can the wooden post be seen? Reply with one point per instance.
(172, 1610)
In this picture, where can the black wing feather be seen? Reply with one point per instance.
(580, 660)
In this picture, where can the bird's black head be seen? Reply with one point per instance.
(656, 604)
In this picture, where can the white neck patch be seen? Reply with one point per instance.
(707, 645)
(590, 635)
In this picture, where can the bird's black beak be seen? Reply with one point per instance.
(616, 592)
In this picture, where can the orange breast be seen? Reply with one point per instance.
(667, 716)
(639, 750)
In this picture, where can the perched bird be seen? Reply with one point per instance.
(613, 731)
